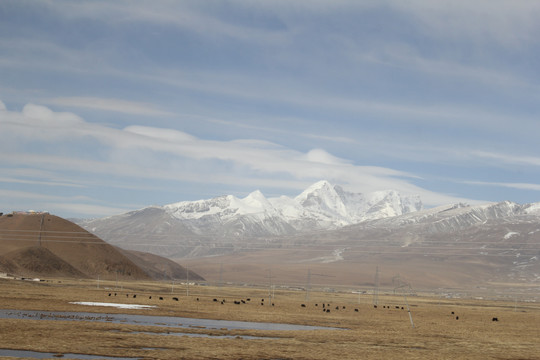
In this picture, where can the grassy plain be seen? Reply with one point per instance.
(384, 332)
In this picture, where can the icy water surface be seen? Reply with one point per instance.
(149, 320)
(45, 355)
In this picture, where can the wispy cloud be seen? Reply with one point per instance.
(81, 205)
(520, 186)
(84, 208)
(508, 158)
(38, 182)
(509, 24)
(107, 104)
(159, 153)
(269, 94)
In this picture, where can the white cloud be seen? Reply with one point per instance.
(37, 182)
(88, 209)
(144, 152)
(115, 105)
(43, 116)
(58, 204)
(520, 186)
(508, 159)
(323, 157)
(511, 24)
(168, 135)
(177, 14)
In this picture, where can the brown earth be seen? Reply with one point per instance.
(41, 245)
(443, 328)
(291, 268)
(39, 260)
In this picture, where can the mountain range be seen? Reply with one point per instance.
(218, 225)
(341, 235)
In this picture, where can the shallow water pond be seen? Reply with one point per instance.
(45, 355)
(149, 320)
(245, 337)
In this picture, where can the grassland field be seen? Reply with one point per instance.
(443, 328)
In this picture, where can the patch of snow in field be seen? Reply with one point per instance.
(337, 255)
(510, 234)
(119, 306)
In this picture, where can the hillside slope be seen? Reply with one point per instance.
(41, 244)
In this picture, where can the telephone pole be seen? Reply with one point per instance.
(41, 228)
(376, 290)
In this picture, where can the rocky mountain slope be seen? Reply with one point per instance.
(493, 246)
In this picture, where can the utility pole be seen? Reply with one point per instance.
(271, 287)
(376, 290)
(270, 298)
(220, 275)
(408, 310)
(308, 285)
(41, 228)
(187, 281)
(402, 286)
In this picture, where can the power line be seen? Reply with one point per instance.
(447, 250)
(242, 246)
(280, 242)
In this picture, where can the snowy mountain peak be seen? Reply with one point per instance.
(318, 188)
(256, 195)
(320, 206)
(323, 199)
(256, 202)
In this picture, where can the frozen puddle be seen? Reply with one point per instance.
(161, 321)
(245, 337)
(45, 355)
(118, 306)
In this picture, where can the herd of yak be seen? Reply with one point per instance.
(325, 306)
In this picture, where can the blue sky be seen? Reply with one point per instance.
(111, 106)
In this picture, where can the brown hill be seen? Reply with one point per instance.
(41, 244)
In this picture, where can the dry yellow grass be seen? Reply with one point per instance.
(382, 333)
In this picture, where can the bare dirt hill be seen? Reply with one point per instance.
(39, 261)
(41, 244)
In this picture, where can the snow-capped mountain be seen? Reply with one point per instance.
(454, 244)
(322, 206)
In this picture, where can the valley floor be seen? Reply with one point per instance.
(443, 328)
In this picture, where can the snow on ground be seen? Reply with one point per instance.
(510, 234)
(119, 306)
(337, 255)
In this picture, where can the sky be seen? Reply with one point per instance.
(112, 106)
